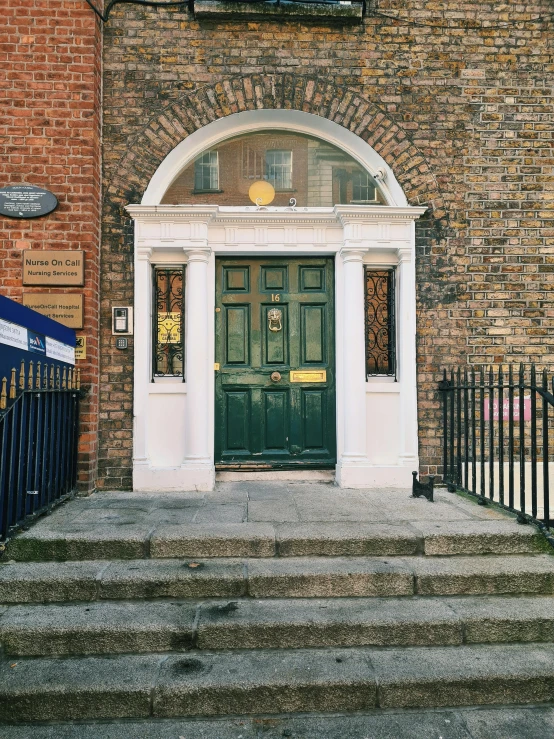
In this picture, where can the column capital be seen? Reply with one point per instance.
(197, 254)
(144, 253)
(352, 254)
(405, 254)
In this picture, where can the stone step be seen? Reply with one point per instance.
(169, 626)
(64, 540)
(294, 577)
(533, 722)
(274, 682)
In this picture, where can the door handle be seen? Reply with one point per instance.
(275, 376)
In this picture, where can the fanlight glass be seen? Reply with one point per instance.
(313, 172)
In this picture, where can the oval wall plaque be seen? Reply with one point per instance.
(26, 201)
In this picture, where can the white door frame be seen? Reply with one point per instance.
(173, 439)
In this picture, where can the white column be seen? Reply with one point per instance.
(353, 356)
(407, 370)
(198, 373)
(142, 353)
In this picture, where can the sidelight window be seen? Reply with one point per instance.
(168, 322)
(380, 334)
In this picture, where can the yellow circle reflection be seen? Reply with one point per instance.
(261, 192)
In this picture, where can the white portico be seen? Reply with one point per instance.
(376, 416)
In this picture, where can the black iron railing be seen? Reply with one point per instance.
(498, 438)
(39, 417)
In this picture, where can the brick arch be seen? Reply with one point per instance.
(310, 94)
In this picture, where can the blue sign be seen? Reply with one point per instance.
(37, 342)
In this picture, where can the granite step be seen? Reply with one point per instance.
(118, 627)
(274, 682)
(65, 540)
(499, 722)
(293, 577)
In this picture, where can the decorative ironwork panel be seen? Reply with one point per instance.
(380, 322)
(168, 329)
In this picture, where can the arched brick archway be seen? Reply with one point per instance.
(305, 93)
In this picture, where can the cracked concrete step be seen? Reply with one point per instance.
(162, 626)
(66, 540)
(294, 577)
(274, 682)
(462, 723)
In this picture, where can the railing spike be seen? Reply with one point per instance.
(58, 383)
(4, 394)
(64, 378)
(51, 377)
(12, 384)
(31, 375)
(39, 376)
(22, 375)
(78, 378)
(45, 377)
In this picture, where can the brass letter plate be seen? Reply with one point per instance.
(308, 376)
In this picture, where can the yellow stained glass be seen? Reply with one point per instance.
(169, 328)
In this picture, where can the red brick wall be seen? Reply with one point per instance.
(50, 96)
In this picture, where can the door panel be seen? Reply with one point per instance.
(275, 419)
(275, 342)
(313, 334)
(274, 315)
(237, 412)
(237, 334)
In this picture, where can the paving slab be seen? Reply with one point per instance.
(97, 628)
(173, 579)
(510, 723)
(406, 725)
(345, 540)
(85, 688)
(334, 622)
(234, 513)
(483, 575)
(214, 540)
(147, 729)
(466, 675)
(446, 538)
(297, 577)
(272, 510)
(35, 582)
(483, 723)
(264, 682)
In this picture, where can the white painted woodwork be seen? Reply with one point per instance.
(377, 442)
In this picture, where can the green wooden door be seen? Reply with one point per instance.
(275, 319)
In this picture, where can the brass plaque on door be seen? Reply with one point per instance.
(308, 376)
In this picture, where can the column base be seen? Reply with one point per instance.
(369, 476)
(187, 477)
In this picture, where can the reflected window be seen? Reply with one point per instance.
(206, 171)
(315, 172)
(363, 188)
(279, 169)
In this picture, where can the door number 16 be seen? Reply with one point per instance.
(275, 298)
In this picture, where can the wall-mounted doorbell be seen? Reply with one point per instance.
(122, 320)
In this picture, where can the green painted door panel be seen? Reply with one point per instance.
(260, 422)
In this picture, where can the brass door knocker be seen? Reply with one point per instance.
(274, 319)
